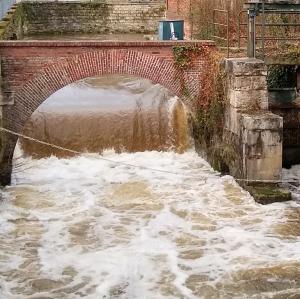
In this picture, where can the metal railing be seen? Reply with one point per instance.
(5, 6)
(264, 24)
(217, 25)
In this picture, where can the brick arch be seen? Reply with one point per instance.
(69, 70)
(106, 62)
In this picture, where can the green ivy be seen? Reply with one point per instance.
(183, 55)
(281, 76)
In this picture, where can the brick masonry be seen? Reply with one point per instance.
(180, 9)
(32, 71)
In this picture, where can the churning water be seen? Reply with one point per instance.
(88, 227)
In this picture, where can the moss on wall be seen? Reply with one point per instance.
(281, 76)
(218, 146)
(11, 26)
(91, 17)
(55, 18)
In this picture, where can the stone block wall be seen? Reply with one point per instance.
(256, 131)
(110, 16)
(91, 17)
(245, 140)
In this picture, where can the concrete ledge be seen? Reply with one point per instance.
(262, 121)
(245, 66)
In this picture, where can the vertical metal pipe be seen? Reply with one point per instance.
(263, 29)
(239, 30)
(227, 19)
(251, 33)
(214, 33)
(298, 77)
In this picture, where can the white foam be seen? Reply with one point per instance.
(126, 231)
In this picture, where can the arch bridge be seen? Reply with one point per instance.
(33, 70)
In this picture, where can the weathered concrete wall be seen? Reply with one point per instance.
(91, 17)
(123, 16)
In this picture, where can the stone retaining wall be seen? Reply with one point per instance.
(54, 18)
(258, 130)
(91, 17)
(249, 146)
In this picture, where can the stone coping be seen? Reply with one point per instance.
(97, 43)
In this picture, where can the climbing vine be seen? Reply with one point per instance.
(208, 106)
(184, 55)
(208, 118)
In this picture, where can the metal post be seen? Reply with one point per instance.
(227, 32)
(263, 29)
(251, 33)
(214, 33)
(239, 30)
(298, 77)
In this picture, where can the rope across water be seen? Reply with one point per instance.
(124, 163)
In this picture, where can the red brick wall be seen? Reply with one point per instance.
(180, 9)
(33, 70)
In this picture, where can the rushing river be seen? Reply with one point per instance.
(147, 224)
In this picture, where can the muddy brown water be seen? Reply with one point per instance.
(113, 112)
(151, 220)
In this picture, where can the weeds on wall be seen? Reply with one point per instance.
(289, 52)
(207, 121)
(185, 55)
(208, 106)
(200, 19)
